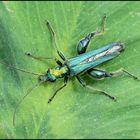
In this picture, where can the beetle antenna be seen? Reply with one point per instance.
(19, 103)
(12, 67)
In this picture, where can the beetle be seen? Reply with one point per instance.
(83, 63)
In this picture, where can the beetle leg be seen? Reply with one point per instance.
(65, 83)
(58, 62)
(37, 57)
(82, 82)
(83, 44)
(98, 74)
(122, 71)
(44, 58)
(55, 42)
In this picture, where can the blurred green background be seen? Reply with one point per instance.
(75, 112)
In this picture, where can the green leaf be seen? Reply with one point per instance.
(75, 112)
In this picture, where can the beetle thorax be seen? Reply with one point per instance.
(58, 72)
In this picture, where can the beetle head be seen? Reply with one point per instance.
(47, 77)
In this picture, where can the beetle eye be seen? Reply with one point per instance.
(48, 70)
(40, 78)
